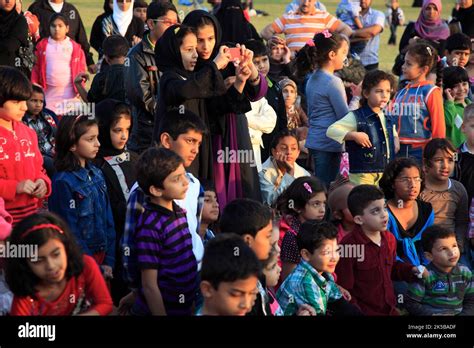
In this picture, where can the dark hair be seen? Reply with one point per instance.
(176, 123)
(258, 48)
(432, 234)
(458, 41)
(311, 57)
(154, 165)
(71, 128)
(245, 216)
(361, 196)
(21, 280)
(60, 17)
(37, 89)
(453, 75)
(393, 170)
(283, 134)
(227, 259)
(434, 145)
(208, 185)
(156, 10)
(373, 78)
(203, 21)
(140, 4)
(183, 31)
(296, 196)
(426, 55)
(120, 110)
(115, 46)
(14, 85)
(312, 234)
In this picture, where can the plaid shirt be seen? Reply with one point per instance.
(306, 286)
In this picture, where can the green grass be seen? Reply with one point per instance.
(90, 9)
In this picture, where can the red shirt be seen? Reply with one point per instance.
(368, 277)
(89, 286)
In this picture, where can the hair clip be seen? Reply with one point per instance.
(326, 33)
(310, 43)
(430, 51)
(307, 187)
(439, 59)
(40, 227)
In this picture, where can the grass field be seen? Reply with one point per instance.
(90, 9)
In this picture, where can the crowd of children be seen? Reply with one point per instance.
(239, 205)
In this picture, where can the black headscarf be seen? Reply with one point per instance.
(235, 27)
(7, 21)
(107, 8)
(168, 54)
(105, 112)
(193, 19)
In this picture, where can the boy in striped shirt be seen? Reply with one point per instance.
(448, 290)
(164, 248)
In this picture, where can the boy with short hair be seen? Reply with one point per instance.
(229, 276)
(139, 11)
(210, 211)
(280, 169)
(458, 49)
(449, 288)
(456, 89)
(109, 82)
(312, 282)
(368, 277)
(163, 241)
(464, 166)
(447, 196)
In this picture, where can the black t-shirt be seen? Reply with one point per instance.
(466, 17)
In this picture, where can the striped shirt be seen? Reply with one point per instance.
(442, 293)
(163, 242)
(299, 28)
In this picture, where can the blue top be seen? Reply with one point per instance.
(370, 55)
(327, 103)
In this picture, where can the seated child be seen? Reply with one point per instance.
(456, 89)
(449, 288)
(457, 50)
(271, 270)
(139, 11)
(368, 275)
(340, 213)
(210, 212)
(348, 11)
(110, 82)
(311, 282)
(163, 241)
(280, 169)
(228, 279)
(464, 166)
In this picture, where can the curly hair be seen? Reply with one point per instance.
(393, 170)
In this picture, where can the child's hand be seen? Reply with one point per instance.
(135, 40)
(282, 159)
(107, 271)
(286, 58)
(420, 274)
(40, 189)
(81, 77)
(223, 57)
(306, 310)
(26, 186)
(243, 72)
(356, 90)
(360, 138)
(346, 294)
(448, 94)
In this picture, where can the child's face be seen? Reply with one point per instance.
(341, 55)
(262, 64)
(277, 52)
(407, 184)
(444, 254)
(13, 110)
(411, 69)
(59, 30)
(158, 26)
(468, 130)
(261, 244)
(186, 146)
(275, 238)
(189, 53)
(289, 95)
(374, 217)
(231, 298)
(35, 103)
(124, 5)
(460, 91)
(206, 41)
(289, 147)
(51, 264)
(88, 144)
(140, 12)
(441, 166)
(175, 185)
(120, 132)
(210, 208)
(324, 258)
(458, 57)
(315, 208)
(465, 3)
(379, 95)
(272, 272)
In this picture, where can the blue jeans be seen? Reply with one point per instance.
(326, 165)
(409, 151)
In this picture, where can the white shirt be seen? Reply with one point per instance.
(56, 7)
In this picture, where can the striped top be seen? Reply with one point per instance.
(442, 293)
(298, 28)
(163, 242)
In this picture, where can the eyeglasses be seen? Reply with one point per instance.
(409, 180)
(167, 22)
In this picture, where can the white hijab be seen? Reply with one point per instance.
(122, 19)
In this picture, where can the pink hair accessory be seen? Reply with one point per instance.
(310, 43)
(307, 187)
(326, 33)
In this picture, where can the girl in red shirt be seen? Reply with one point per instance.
(54, 278)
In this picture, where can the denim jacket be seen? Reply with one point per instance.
(80, 198)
